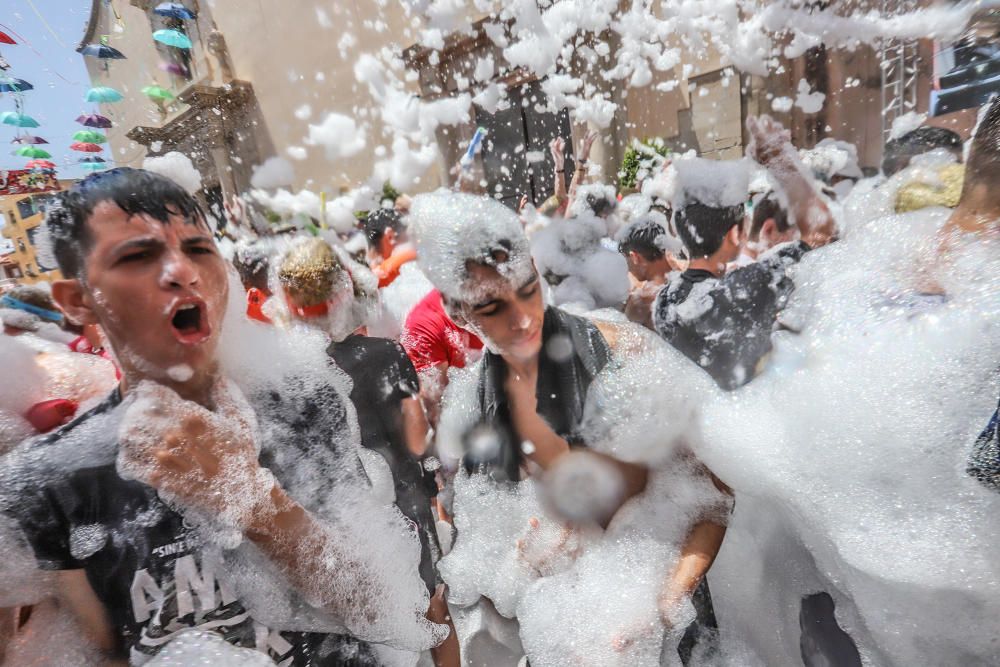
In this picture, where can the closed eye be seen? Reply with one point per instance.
(135, 256)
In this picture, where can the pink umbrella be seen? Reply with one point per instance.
(28, 139)
(174, 68)
(94, 120)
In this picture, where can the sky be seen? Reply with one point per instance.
(47, 32)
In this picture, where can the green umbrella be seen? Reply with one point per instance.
(17, 119)
(103, 94)
(90, 137)
(32, 152)
(157, 93)
(172, 38)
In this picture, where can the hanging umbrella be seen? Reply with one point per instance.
(174, 10)
(94, 120)
(91, 159)
(6, 39)
(85, 147)
(90, 137)
(157, 93)
(172, 38)
(12, 85)
(102, 51)
(44, 165)
(92, 166)
(174, 68)
(103, 94)
(28, 139)
(32, 152)
(17, 119)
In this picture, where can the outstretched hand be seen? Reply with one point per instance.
(769, 140)
(583, 150)
(202, 460)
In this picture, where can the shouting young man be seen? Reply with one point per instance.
(187, 501)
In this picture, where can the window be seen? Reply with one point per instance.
(26, 207)
(13, 218)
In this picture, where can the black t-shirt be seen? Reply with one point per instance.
(146, 565)
(724, 324)
(383, 378)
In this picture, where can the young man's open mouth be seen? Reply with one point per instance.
(189, 321)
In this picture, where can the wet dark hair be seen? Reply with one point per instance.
(702, 228)
(253, 262)
(600, 205)
(900, 151)
(641, 237)
(378, 221)
(135, 191)
(768, 207)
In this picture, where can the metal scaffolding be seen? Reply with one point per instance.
(900, 65)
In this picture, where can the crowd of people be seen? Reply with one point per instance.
(473, 438)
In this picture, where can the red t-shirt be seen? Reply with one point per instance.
(430, 337)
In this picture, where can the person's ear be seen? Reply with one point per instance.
(633, 257)
(74, 301)
(735, 233)
(768, 229)
(388, 242)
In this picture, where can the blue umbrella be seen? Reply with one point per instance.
(102, 51)
(103, 94)
(11, 85)
(91, 159)
(17, 119)
(174, 10)
(92, 166)
(172, 38)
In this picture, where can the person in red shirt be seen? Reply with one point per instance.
(388, 246)
(252, 263)
(434, 344)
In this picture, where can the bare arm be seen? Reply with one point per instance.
(433, 382)
(78, 597)
(556, 148)
(697, 555)
(771, 146)
(580, 173)
(414, 427)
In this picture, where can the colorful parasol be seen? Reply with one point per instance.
(28, 139)
(94, 120)
(174, 38)
(92, 166)
(17, 119)
(102, 51)
(6, 39)
(90, 137)
(32, 152)
(85, 147)
(91, 159)
(12, 85)
(103, 94)
(174, 10)
(157, 93)
(175, 68)
(44, 165)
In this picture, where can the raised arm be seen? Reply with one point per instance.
(770, 146)
(580, 173)
(212, 469)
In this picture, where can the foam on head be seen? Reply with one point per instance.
(715, 183)
(454, 230)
